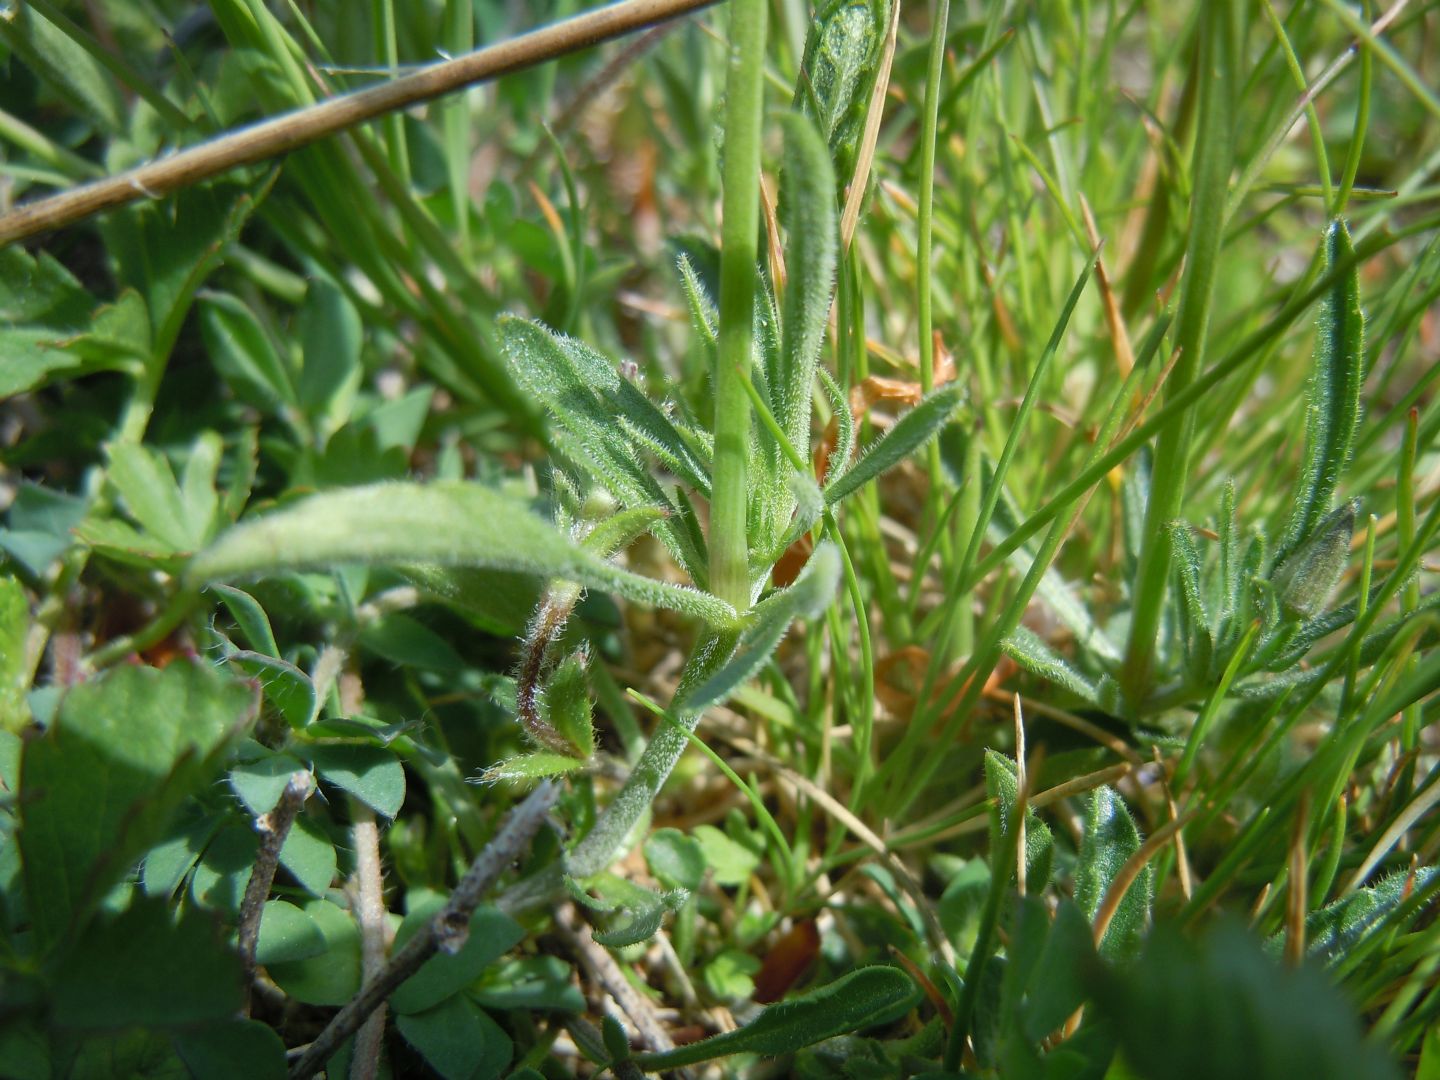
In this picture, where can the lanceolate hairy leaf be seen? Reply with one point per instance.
(1029, 650)
(1002, 786)
(1225, 595)
(911, 431)
(582, 387)
(451, 523)
(643, 921)
(1334, 930)
(807, 210)
(844, 424)
(1305, 578)
(869, 996)
(704, 320)
(1332, 411)
(612, 534)
(1110, 839)
(604, 416)
(641, 926)
(842, 54)
(532, 766)
(1194, 619)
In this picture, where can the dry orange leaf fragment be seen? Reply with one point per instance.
(864, 395)
(792, 955)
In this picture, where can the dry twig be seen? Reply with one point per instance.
(273, 828)
(273, 138)
(446, 932)
(370, 913)
(603, 969)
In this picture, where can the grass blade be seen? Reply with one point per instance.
(863, 998)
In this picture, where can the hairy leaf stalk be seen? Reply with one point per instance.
(594, 853)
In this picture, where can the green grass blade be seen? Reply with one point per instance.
(861, 999)
(1214, 154)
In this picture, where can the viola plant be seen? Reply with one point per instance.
(833, 540)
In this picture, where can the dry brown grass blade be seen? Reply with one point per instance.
(1182, 857)
(1122, 881)
(1079, 785)
(1119, 335)
(272, 138)
(772, 237)
(1077, 723)
(1296, 896)
(850, 217)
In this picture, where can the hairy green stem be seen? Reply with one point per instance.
(603, 842)
(1214, 155)
(729, 544)
(744, 101)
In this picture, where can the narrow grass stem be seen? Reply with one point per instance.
(388, 54)
(1357, 138)
(1312, 118)
(1214, 154)
(924, 247)
(1246, 352)
(924, 243)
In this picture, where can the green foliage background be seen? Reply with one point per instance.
(1025, 587)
